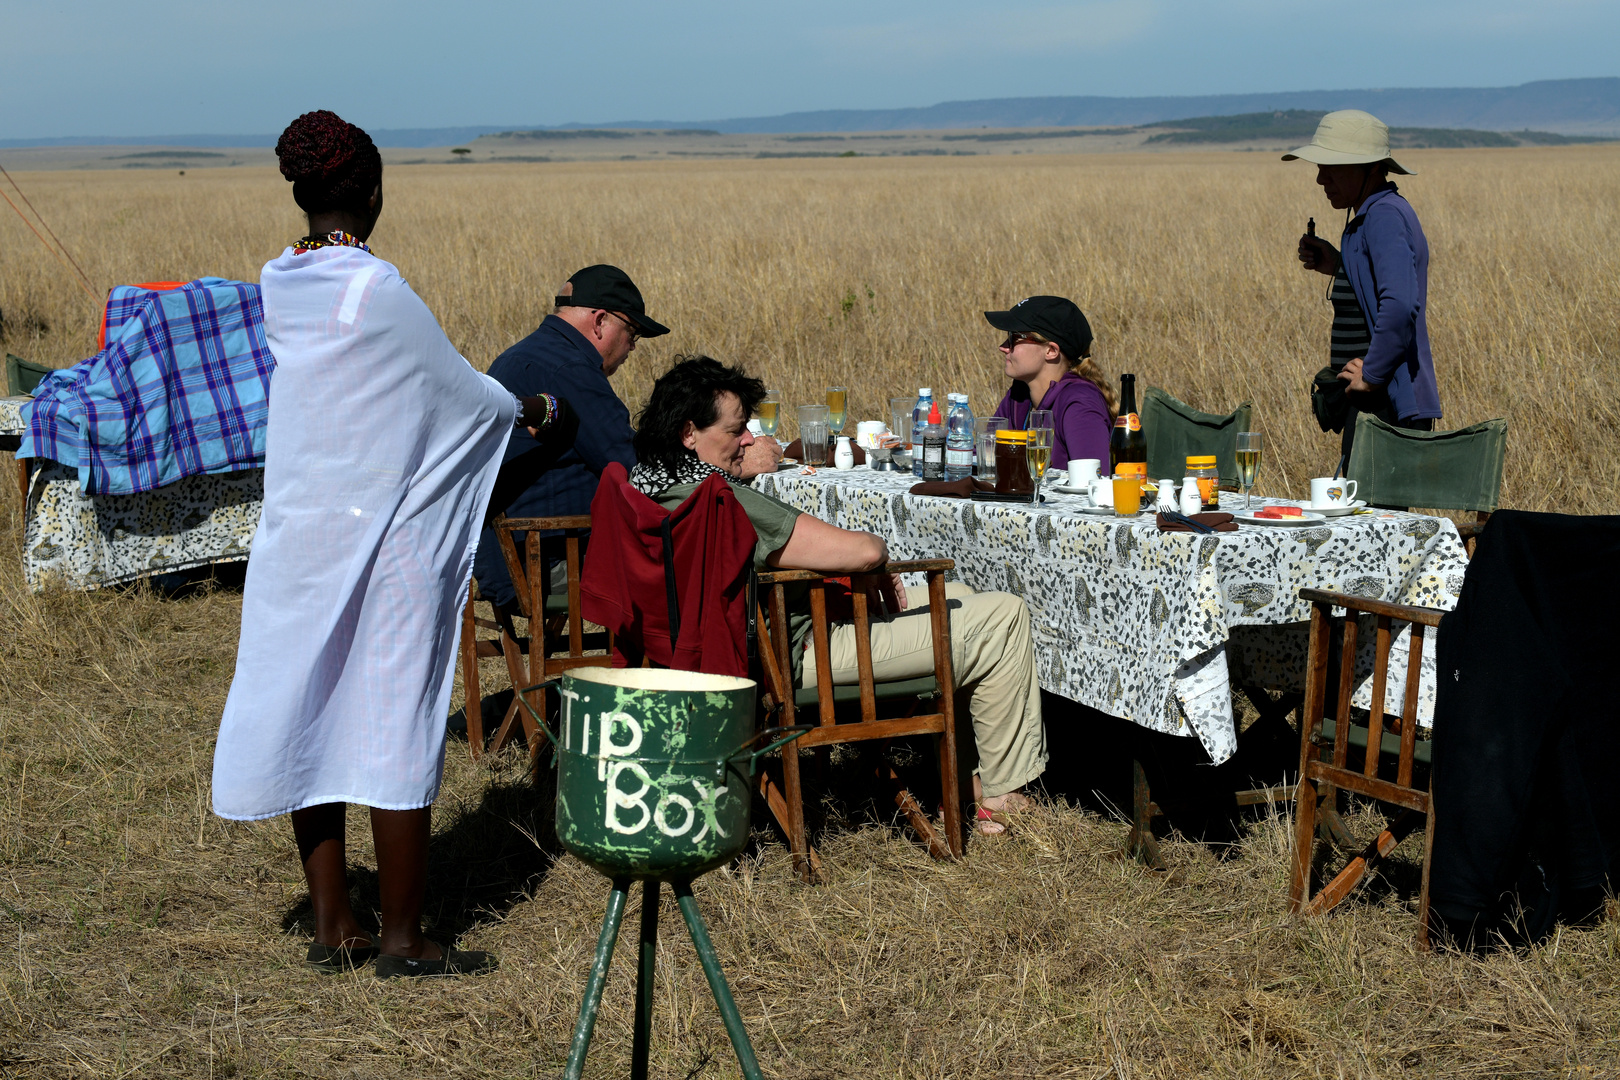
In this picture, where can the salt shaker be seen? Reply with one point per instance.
(1192, 500)
(843, 457)
(1167, 494)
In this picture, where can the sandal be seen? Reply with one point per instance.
(984, 817)
(453, 962)
(335, 958)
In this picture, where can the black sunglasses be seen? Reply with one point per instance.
(630, 325)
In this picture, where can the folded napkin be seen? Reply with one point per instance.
(795, 450)
(1218, 522)
(951, 489)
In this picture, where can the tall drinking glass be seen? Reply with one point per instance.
(814, 437)
(837, 400)
(766, 412)
(984, 443)
(900, 421)
(809, 414)
(1248, 462)
(1038, 451)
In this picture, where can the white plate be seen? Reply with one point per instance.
(1307, 518)
(1335, 511)
(788, 463)
(1065, 489)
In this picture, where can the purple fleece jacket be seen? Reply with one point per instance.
(1386, 258)
(1079, 418)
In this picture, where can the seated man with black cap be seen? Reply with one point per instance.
(598, 319)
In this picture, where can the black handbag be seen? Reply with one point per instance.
(1330, 402)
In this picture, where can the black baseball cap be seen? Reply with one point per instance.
(604, 286)
(1052, 317)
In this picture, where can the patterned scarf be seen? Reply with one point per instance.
(653, 479)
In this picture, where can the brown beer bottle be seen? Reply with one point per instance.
(1128, 446)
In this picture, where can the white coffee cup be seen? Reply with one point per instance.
(1082, 471)
(1102, 491)
(1332, 491)
(867, 432)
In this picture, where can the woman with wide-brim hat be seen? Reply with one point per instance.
(1380, 338)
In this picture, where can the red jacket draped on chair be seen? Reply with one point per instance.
(627, 582)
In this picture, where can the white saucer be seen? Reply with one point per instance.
(1335, 511)
(1065, 489)
(1306, 518)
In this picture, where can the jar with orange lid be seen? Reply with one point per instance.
(1201, 467)
(1012, 464)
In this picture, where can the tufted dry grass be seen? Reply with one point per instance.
(142, 937)
(872, 274)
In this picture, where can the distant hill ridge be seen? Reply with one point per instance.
(1563, 106)
(1298, 125)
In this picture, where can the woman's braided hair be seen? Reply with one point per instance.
(332, 164)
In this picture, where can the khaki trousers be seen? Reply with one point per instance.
(993, 659)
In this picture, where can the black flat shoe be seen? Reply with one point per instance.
(453, 962)
(335, 958)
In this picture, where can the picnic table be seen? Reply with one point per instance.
(90, 541)
(1153, 627)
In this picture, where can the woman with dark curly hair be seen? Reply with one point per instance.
(382, 452)
(695, 424)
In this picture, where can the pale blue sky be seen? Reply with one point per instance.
(182, 66)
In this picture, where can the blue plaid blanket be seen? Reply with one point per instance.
(182, 387)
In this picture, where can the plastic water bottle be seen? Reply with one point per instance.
(932, 444)
(959, 439)
(919, 419)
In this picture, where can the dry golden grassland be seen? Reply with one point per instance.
(141, 936)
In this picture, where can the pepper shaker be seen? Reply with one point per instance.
(1192, 500)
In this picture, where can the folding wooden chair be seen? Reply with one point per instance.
(22, 379)
(540, 654)
(1321, 778)
(901, 699)
(1175, 429)
(1441, 470)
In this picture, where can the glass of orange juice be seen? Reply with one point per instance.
(1127, 495)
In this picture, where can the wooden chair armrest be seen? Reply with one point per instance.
(542, 524)
(1404, 612)
(775, 577)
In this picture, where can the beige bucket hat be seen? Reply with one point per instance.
(1348, 137)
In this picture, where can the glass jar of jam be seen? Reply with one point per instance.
(1012, 463)
(1202, 468)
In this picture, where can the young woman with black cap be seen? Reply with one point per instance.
(1048, 357)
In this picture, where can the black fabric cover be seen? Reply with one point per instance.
(1527, 729)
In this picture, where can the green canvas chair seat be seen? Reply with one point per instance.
(1176, 430)
(925, 687)
(22, 377)
(1389, 745)
(1442, 470)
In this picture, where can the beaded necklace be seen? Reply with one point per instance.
(335, 238)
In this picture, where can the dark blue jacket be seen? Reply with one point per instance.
(557, 359)
(1386, 259)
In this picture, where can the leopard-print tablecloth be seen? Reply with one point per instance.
(11, 419)
(1153, 627)
(86, 542)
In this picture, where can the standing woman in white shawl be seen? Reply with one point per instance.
(382, 449)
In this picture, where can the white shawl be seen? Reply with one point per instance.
(381, 450)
